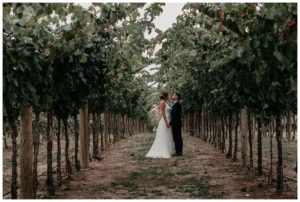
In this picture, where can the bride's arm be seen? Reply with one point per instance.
(163, 112)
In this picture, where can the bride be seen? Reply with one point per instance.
(163, 145)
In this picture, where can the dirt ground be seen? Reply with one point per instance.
(201, 173)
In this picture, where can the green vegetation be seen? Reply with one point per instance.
(69, 67)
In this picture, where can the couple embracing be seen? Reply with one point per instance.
(168, 140)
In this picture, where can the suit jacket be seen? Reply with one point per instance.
(176, 115)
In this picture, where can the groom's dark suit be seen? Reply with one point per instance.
(176, 126)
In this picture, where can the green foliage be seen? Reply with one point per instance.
(246, 58)
(61, 56)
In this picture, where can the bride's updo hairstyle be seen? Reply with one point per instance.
(163, 95)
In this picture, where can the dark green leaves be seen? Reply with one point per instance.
(248, 62)
(83, 58)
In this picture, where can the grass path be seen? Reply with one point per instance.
(202, 173)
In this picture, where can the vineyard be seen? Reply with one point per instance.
(80, 106)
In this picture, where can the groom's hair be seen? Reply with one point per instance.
(178, 95)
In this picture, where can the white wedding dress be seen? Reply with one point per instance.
(163, 145)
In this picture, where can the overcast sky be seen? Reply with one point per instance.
(167, 18)
(163, 22)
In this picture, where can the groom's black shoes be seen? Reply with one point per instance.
(177, 154)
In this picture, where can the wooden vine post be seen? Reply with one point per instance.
(244, 136)
(26, 154)
(84, 136)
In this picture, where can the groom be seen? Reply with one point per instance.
(176, 124)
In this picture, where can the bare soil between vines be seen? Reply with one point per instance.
(201, 173)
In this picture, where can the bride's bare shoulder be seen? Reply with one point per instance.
(162, 105)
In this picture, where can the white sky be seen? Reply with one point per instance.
(163, 22)
(167, 17)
